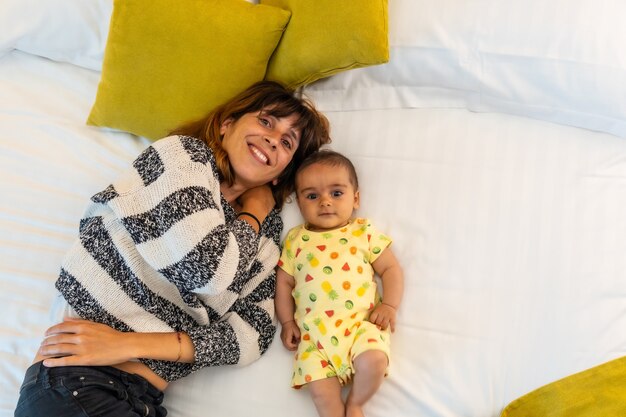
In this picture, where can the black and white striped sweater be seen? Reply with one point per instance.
(160, 250)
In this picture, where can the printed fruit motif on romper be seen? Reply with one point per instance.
(359, 232)
(361, 291)
(376, 250)
(320, 325)
(327, 270)
(347, 332)
(336, 361)
(343, 240)
(307, 352)
(353, 250)
(334, 255)
(328, 289)
(308, 278)
(313, 261)
(345, 267)
(338, 323)
(346, 285)
(334, 341)
(329, 313)
(349, 304)
(298, 252)
(313, 297)
(324, 363)
(322, 248)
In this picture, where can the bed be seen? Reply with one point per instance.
(491, 147)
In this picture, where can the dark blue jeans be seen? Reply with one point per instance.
(79, 391)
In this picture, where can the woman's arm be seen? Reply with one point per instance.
(83, 342)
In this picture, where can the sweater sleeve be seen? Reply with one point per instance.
(246, 331)
(170, 205)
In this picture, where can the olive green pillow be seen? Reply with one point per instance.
(595, 392)
(168, 62)
(325, 37)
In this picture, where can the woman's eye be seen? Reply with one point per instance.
(287, 143)
(264, 121)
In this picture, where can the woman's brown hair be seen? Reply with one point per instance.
(275, 100)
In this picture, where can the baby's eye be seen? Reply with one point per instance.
(311, 196)
(337, 193)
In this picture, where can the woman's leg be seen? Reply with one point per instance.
(85, 391)
(326, 395)
(369, 372)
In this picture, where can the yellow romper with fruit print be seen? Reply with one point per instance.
(334, 294)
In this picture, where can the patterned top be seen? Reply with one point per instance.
(332, 270)
(161, 250)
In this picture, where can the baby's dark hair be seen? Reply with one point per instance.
(330, 158)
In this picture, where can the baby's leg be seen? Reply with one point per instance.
(369, 372)
(326, 395)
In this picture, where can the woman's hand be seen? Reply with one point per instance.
(82, 342)
(384, 316)
(290, 335)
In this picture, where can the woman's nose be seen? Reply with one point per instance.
(271, 141)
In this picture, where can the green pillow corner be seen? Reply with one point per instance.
(325, 37)
(595, 392)
(168, 63)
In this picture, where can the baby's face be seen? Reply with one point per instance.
(326, 196)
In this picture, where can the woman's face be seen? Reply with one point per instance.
(259, 146)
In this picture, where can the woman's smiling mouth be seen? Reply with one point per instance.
(258, 154)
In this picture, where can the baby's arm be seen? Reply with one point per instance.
(392, 277)
(284, 305)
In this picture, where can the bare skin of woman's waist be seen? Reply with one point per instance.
(137, 368)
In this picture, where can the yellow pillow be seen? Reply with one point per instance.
(598, 391)
(325, 37)
(170, 62)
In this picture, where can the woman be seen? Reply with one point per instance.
(174, 266)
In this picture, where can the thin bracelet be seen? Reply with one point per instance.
(288, 321)
(252, 216)
(389, 305)
(180, 347)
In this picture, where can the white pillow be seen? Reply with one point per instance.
(72, 31)
(561, 61)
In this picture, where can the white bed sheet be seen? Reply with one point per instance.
(510, 231)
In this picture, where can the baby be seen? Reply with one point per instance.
(326, 298)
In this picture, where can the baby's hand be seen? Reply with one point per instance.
(384, 316)
(290, 335)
